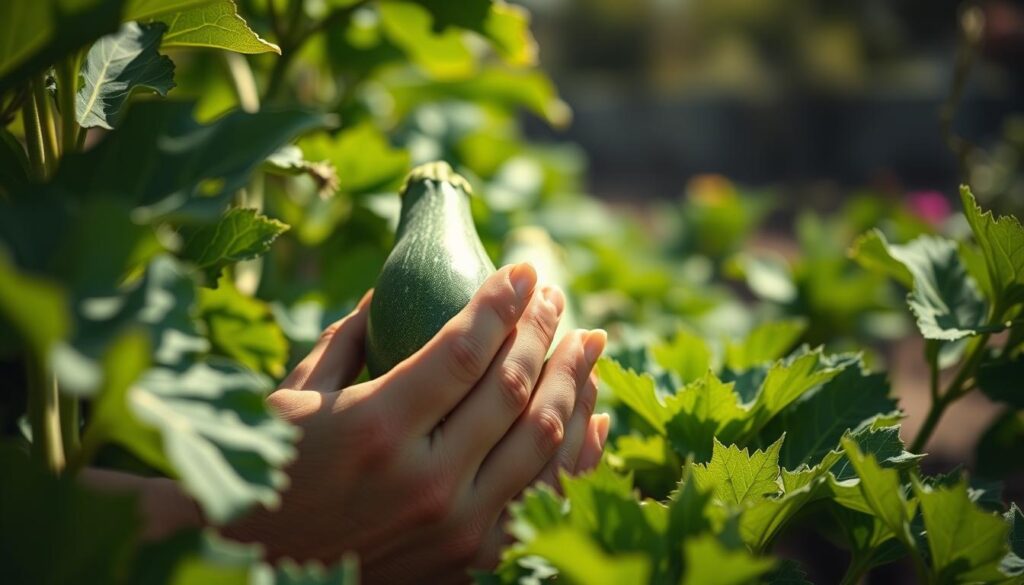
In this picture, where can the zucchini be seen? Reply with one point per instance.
(436, 266)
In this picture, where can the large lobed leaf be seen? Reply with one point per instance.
(163, 160)
(944, 298)
(118, 65)
(216, 25)
(736, 477)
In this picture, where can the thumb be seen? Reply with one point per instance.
(337, 358)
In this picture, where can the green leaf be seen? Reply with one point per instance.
(580, 561)
(687, 511)
(871, 250)
(814, 426)
(944, 298)
(736, 477)
(687, 355)
(442, 55)
(145, 9)
(966, 543)
(884, 444)
(35, 34)
(788, 380)
(764, 518)
(162, 159)
(880, 489)
(160, 303)
(508, 28)
(36, 308)
(603, 503)
(57, 530)
(241, 234)
(1003, 381)
(14, 165)
(1002, 243)
(193, 556)
(216, 25)
(767, 342)
(1015, 520)
(636, 391)
(703, 410)
(118, 65)
(708, 562)
(217, 433)
(789, 572)
(243, 328)
(362, 156)
(508, 89)
(289, 161)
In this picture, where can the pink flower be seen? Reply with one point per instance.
(931, 206)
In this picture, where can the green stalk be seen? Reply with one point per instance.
(34, 138)
(44, 416)
(856, 570)
(67, 90)
(48, 130)
(957, 389)
(70, 418)
(248, 273)
(243, 81)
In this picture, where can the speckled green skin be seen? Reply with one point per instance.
(436, 266)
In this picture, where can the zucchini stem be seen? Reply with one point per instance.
(44, 416)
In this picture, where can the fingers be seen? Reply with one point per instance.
(539, 432)
(575, 433)
(593, 443)
(423, 389)
(337, 357)
(482, 419)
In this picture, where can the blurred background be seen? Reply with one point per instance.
(812, 96)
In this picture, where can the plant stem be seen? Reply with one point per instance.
(34, 138)
(67, 90)
(243, 81)
(855, 572)
(44, 416)
(69, 424)
(47, 128)
(954, 392)
(248, 273)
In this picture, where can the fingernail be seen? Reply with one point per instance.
(523, 278)
(603, 425)
(554, 295)
(593, 344)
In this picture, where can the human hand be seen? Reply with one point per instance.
(413, 470)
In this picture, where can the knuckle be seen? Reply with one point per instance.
(331, 330)
(467, 359)
(515, 386)
(548, 432)
(503, 303)
(545, 321)
(587, 398)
